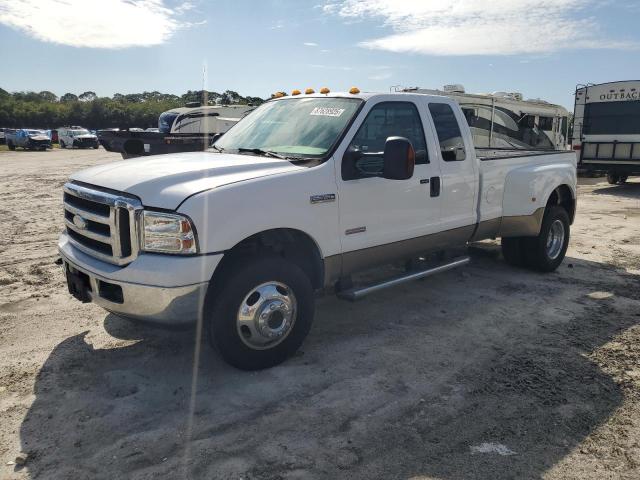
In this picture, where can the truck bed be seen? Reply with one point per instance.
(485, 153)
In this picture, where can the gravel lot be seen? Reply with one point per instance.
(487, 372)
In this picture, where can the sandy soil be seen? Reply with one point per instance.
(488, 372)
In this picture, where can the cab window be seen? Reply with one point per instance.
(448, 130)
(386, 119)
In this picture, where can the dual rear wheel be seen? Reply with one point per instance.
(544, 252)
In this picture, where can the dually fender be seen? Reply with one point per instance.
(526, 192)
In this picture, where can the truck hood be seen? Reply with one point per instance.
(164, 181)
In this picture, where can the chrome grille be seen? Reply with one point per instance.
(102, 224)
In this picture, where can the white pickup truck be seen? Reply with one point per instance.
(294, 199)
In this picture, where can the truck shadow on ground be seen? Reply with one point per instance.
(479, 373)
(627, 190)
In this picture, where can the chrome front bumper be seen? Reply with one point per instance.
(164, 305)
(163, 289)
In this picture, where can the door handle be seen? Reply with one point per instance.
(434, 185)
(424, 181)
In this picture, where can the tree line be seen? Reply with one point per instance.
(47, 110)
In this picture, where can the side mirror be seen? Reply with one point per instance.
(399, 159)
(215, 138)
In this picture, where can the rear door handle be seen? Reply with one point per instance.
(424, 181)
(434, 185)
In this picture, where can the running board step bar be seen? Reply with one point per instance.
(357, 293)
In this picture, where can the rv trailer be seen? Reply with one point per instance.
(606, 129)
(507, 120)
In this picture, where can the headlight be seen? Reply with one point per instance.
(167, 233)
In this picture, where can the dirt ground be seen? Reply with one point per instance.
(487, 372)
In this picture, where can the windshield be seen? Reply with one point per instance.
(296, 127)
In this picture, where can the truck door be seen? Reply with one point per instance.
(459, 177)
(382, 219)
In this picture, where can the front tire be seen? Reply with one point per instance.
(546, 251)
(62, 144)
(259, 312)
(11, 146)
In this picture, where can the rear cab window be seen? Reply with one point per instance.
(448, 131)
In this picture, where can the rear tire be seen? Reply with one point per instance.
(11, 146)
(546, 251)
(62, 144)
(513, 251)
(259, 312)
(613, 178)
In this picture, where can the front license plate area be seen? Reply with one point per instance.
(78, 284)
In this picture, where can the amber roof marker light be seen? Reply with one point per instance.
(354, 90)
(295, 92)
(324, 90)
(309, 91)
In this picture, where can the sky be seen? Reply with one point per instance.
(542, 48)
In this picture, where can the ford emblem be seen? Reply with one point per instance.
(79, 222)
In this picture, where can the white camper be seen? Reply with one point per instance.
(203, 119)
(506, 120)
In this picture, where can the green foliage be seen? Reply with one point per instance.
(45, 110)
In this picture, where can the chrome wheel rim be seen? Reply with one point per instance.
(266, 315)
(555, 239)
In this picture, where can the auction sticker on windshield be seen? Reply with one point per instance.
(327, 111)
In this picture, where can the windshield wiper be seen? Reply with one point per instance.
(217, 149)
(266, 153)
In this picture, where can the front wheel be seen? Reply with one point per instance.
(260, 312)
(546, 251)
(613, 178)
(11, 146)
(62, 144)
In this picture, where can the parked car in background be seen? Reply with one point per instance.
(27, 138)
(2, 139)
(77, 137)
